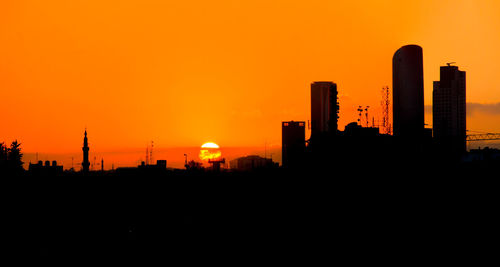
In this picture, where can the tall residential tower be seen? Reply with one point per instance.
(324, 108)
(448, 110)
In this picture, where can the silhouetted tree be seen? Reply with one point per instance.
(15, 156)
(11, 158)
(193, 165)
(3, 156)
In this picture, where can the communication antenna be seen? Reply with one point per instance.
(360, 110)
(147, 156)
(151, 154)
(385, 103)
(366, 114)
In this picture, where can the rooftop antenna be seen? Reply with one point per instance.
(151, 154)
(147, 156)
(385, 110)
(449, 63)
(360, 110)
(366, 114)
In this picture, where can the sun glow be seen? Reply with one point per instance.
(210, 145)
(210, 151)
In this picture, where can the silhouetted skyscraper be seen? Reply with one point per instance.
(408, 92)
(324, 107)
(448, 110)
(293, 143)
(85, 148)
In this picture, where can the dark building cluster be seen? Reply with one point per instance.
(159, 167)
(45, 169)
(411, 140)
(252, 163)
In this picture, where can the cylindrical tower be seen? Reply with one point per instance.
(408, 92)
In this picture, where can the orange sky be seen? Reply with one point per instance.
(182, 73)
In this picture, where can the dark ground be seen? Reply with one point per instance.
(277, 217)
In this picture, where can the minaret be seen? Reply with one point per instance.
(85, 148)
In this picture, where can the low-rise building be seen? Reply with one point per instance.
(250, 163)
(47, 168)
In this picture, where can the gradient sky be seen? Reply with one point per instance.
(186, 72)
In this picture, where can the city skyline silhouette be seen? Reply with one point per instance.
(250, 132)
(408, 111)
(86, 64)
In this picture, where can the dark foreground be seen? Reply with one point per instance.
(268, 218)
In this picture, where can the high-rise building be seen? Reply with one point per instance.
(324, 108)
(408, 92)
(448, 110)
(85, 148)
(293, 143)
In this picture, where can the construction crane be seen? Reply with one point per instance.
(483, 137)
(480, 136)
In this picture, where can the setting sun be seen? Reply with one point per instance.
(210, 145)
(210, 151)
